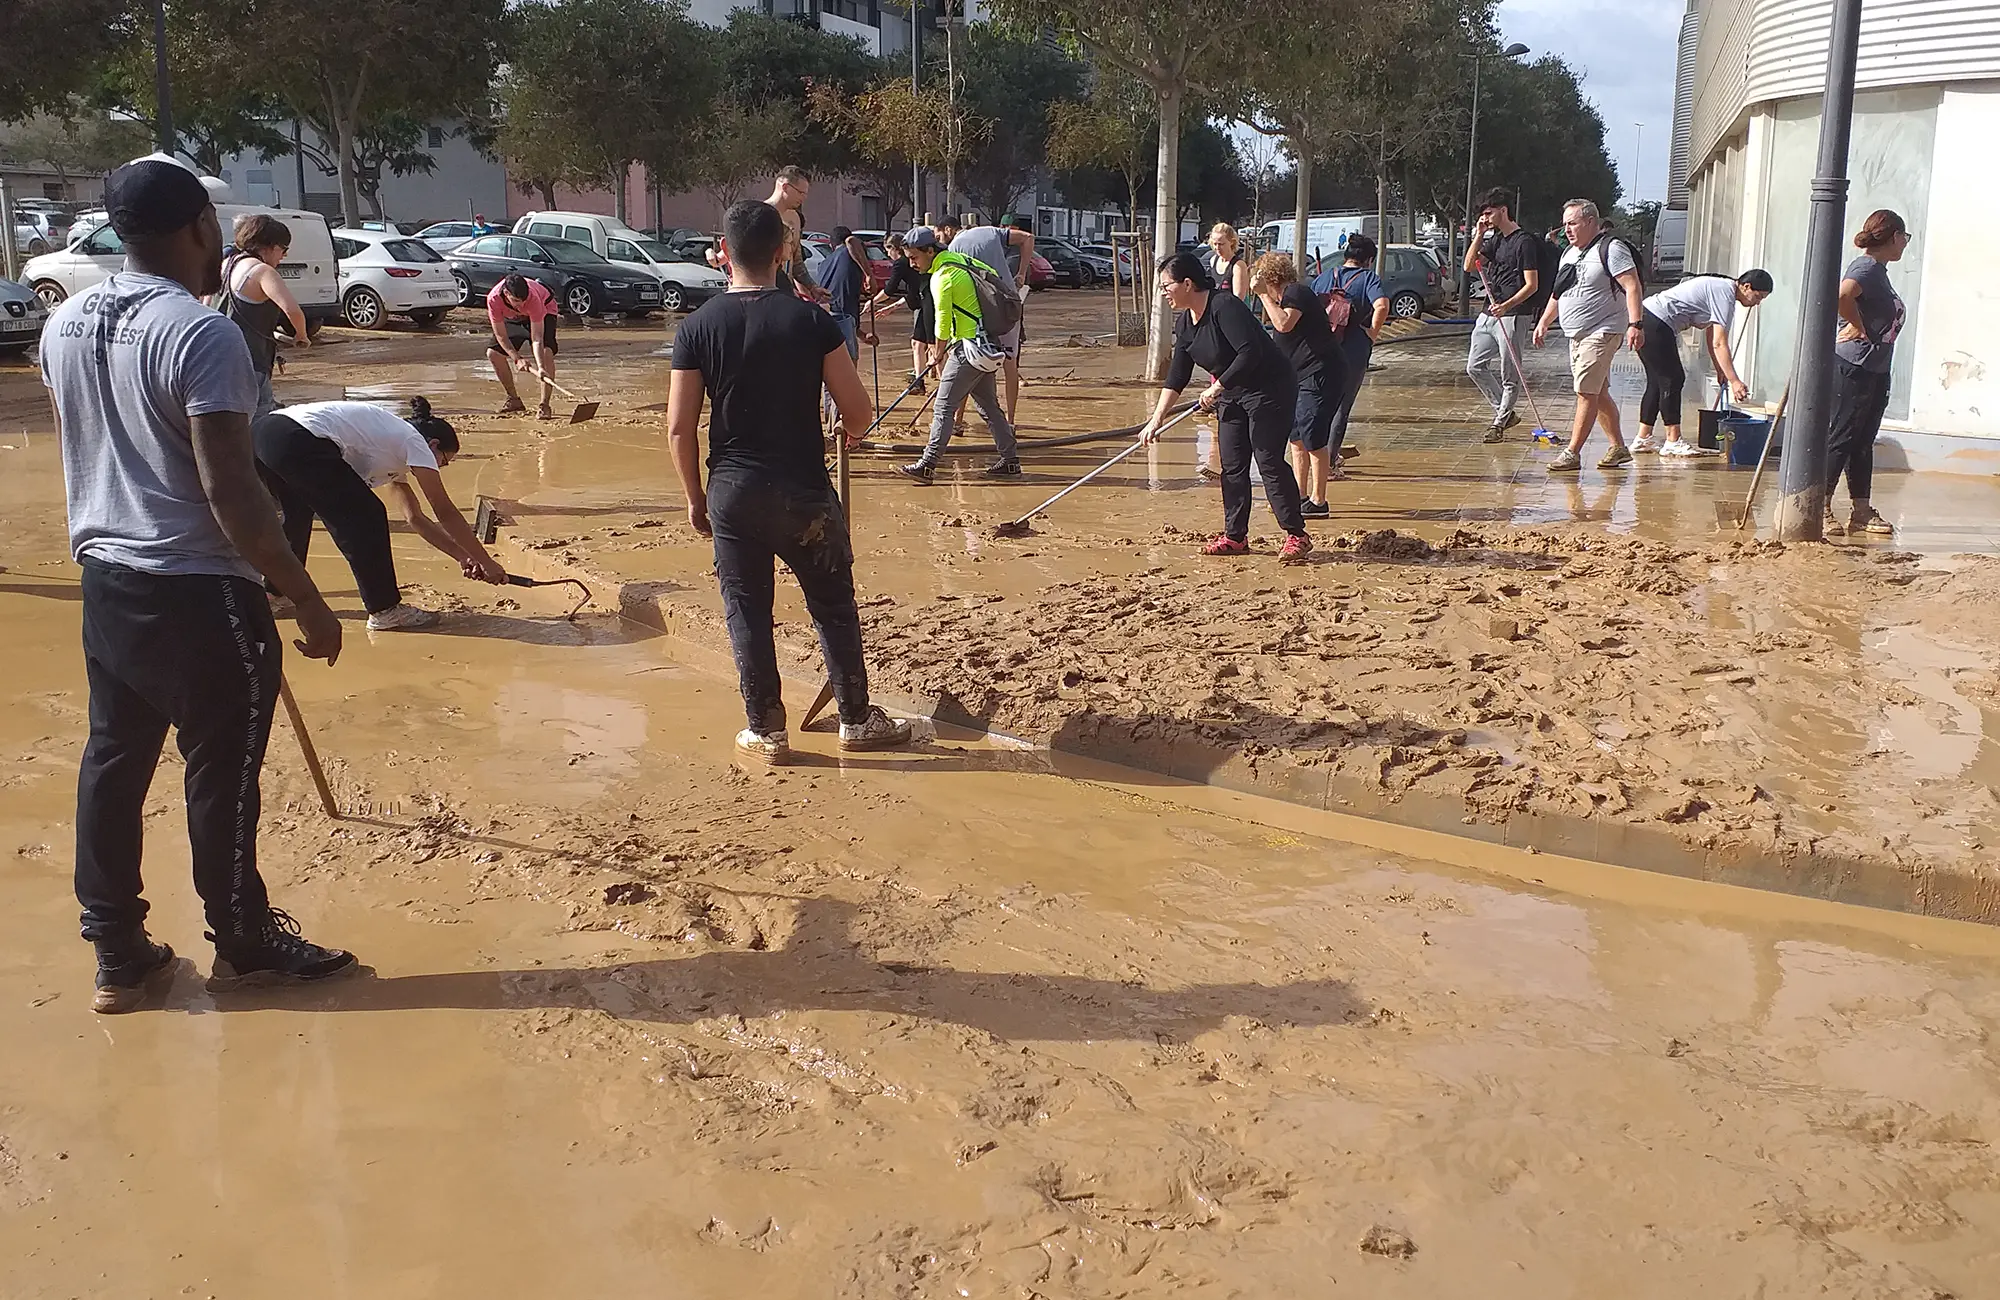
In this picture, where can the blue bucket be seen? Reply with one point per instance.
(1746, 438)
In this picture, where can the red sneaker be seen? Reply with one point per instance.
(1295, 548)
(1226, 545)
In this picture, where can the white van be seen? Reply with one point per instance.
(685, 283)
(309, 269)
(1670, 236)
(1326, 233)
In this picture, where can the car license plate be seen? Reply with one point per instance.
(290, 271)
(440, 293)
(649, 293)
(11, 326)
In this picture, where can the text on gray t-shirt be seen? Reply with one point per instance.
(128, 363)
(1881, 309)
(1595, 304)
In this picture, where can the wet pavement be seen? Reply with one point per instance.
(965, 1022)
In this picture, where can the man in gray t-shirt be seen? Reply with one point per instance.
(1599, 305)
(1008, 252)
(172, 527)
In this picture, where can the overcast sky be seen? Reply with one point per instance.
(1624, 51)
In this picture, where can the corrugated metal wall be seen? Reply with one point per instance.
(1677, 157)
(1749, 51)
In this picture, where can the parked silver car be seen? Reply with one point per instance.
(22, 317)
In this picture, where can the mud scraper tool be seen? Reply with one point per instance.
(1019, 527)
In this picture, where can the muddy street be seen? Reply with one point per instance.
(1233, 932)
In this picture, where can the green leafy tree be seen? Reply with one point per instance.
(218, 110)
(736, 148)
(77, 141)
(536, 136)
(893, 127)
(1011, 83)
(51, 49)
(1113, 135)
(766, 60)
(630, 77)
(356, 63)
(1177, 49)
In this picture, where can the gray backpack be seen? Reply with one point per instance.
(999, 301)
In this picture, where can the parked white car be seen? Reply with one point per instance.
(684, 283)
(309, 268)
(447, 235)
(387, 273)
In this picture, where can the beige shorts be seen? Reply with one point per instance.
(1590, 361)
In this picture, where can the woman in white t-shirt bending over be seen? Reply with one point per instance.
(1707, 301)
(326, 459)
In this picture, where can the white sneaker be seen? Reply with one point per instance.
(401, 618)
(772, 747)
(1680, 447)
(877, 731)
(1644, 444)
(1566, 462)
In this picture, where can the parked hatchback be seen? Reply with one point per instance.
(584, 283)
(447, 235)
(1412, 278)
(384, 274)
(22, 316)
(684, 284)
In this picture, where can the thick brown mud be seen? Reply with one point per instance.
(978, 1021)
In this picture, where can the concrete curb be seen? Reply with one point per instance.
(1163, 751)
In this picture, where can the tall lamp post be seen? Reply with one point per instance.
(1802, 477)
(1514, 51)
(163, 95)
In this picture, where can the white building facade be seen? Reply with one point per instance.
(1926, 111)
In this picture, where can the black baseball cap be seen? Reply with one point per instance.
(152, 197)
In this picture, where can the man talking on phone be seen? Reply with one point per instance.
(1510, 256)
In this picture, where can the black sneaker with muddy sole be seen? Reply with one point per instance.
(1004, 469)
(919, 471)
(277, 956)
(125, 979)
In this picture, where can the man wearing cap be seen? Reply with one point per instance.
(961, 376)
(175, 535)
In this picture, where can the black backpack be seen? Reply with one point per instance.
(1548, 261)
(1566, 277)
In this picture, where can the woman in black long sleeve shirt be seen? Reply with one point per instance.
(1305, 336)
(1253, 396)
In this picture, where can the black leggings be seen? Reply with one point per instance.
(1660, 353)
(308, 477)
(1258, 426)
(1859, 399)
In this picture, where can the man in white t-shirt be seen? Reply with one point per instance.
(1597, 295)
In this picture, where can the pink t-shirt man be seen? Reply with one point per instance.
(540, 305)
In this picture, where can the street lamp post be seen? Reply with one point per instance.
(1513, 51)
(1802, 478)
(163, 95)
(1638, 152)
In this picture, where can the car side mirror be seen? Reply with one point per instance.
(540, 259)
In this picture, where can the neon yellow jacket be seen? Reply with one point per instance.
(956, 300)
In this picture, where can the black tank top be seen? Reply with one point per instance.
(259, 321)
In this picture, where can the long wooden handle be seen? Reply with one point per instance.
(306, 747)
(1770, 438)
(536, 371)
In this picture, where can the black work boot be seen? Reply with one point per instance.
(1005, 467)
(126, 970)
(918, 470)
(275, 953)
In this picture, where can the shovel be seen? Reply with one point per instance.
(584, 410)
(515, 579)
(1019, 527)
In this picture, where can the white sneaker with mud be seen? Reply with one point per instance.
(401, 618)
(1617, 458)
(1643, 445)
(877, 731)
(1679, 448)
(773, 747)
(1566, 462)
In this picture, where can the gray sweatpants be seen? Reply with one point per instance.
(1496, 374)
(959, 381)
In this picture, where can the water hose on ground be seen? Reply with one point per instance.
(1027, 444)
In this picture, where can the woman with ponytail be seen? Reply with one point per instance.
(326, 459)
(1871, 316)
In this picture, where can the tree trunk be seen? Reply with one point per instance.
(350, 190)
(548, 189)
(1301, 209)
(621, 177)
(1410, 200)
(1382, 192)
(1166, 229)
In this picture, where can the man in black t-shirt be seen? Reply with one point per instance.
(761, 355)
(1510, 255)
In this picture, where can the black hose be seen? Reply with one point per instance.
(1026, 444)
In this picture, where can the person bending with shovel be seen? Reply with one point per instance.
(761, 355)
(523, 315)
(327, 459)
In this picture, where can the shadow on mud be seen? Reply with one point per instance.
(820, 967)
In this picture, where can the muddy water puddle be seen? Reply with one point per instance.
(969, 1021)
